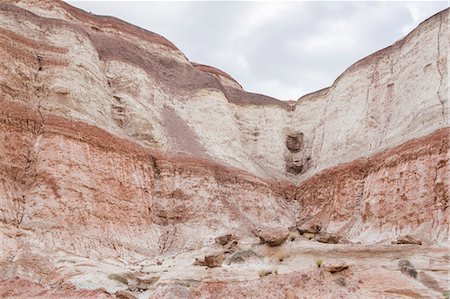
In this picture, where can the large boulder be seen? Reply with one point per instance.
(214, 260)
(271, 236)
(309, 228)
(327, 238)
(228, 242)
(210, 261)
(225, 239)
(335, 267)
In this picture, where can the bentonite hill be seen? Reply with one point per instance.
(128, 171)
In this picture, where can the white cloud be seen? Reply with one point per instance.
(281, 49)
(338, 35)
(260, 15)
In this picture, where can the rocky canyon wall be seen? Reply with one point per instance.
(116, 148)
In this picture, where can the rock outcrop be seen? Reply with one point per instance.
(119, 155)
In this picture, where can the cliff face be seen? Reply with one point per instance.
(122, 161)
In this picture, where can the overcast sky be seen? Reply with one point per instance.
(281, 49)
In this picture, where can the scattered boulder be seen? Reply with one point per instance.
(309, 228)
(407, 268)
(210, 261)
(225, 239)
(228, 241)
(271, 236)
(335, 267)
(215, 260)
(241, 256)
(327, 238)
(407, 239)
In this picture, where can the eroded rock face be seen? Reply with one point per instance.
(119, 155)
(294, 142)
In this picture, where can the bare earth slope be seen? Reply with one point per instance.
(122, 161)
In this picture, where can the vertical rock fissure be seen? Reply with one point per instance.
(39, 87)
(440, 71)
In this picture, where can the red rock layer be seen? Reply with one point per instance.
(23, 289)
(214, 71)
(69, 180)
(403, 189)
(103, 32)
(240, 97)
(94, 177)
(105, 22)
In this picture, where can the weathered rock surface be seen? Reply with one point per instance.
(119, 155)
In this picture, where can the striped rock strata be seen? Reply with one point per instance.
(122, 161)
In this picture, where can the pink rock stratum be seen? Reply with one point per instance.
(122, 162)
